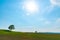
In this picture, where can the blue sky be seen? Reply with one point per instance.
(30, 15)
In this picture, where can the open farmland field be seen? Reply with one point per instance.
(6, 35)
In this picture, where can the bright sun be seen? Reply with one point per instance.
(30, 6)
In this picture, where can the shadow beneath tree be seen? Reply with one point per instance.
(6, 30)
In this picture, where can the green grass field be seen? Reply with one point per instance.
(7, 35)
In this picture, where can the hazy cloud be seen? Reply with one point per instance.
(55, 2)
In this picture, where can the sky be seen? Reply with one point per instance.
(30, 15)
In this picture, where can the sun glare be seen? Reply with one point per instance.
(30, 6)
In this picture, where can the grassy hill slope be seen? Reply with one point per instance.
(7, 35)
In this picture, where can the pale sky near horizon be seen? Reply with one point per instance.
(30, 15)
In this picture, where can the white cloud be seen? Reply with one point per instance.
(58, 20)
(48, 9)
(47, 22)
(55, 2)
(56, 25)
(28, 14)
(41, 19)
(44, 21)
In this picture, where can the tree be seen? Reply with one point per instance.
(35, 31)
(11, 27)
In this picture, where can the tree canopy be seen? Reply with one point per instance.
(11, 27)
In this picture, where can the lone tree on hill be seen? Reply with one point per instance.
(35, 31)
(11, 27)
